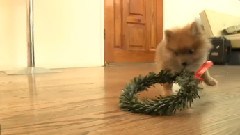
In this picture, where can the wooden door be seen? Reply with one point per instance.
(133, 28)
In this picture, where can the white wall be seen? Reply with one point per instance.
(68, 33)
(181, 12)
(13, 49)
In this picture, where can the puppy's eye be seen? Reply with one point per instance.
(191, 51)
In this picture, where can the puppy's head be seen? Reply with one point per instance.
(187, 45)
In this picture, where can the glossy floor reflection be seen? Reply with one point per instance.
(84, 101)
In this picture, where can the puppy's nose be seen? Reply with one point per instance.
(184, 64)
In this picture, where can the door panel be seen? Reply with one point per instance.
(136, 38)
(136, 7)
(134, 25)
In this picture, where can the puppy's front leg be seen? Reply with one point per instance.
(167, 89)
(208, 79)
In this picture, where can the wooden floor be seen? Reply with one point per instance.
(85, 101)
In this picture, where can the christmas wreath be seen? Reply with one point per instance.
(161, 105)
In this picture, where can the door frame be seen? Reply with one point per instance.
(109, 27)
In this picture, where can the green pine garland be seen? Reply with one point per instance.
(161, 105)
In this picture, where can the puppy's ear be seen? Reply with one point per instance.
(195, 28)
(168, 34)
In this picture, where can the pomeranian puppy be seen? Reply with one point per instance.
(184, 48)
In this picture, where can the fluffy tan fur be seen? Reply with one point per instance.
(184, 48)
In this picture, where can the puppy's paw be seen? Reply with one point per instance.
(211, 82)
(167, 93)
